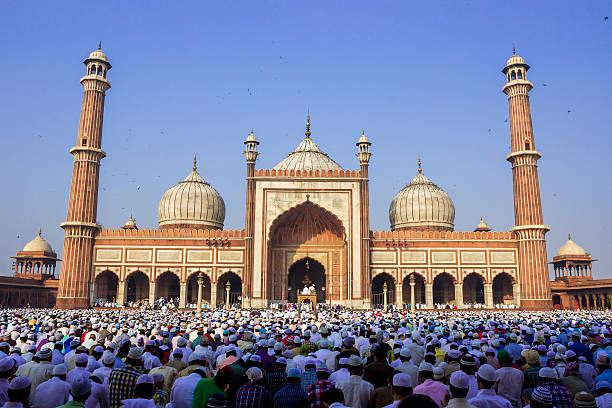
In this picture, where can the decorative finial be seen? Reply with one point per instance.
(39, 231)
(420, 169)
(481, 218)
(307, 133)
(195, 162)
(100, 45)
(251, 131)
(513, 50)
(569, 236)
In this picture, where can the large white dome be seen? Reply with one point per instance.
(307, 156)
(38, 244)
(191, 203)
(422, 205)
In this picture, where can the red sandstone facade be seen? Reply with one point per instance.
(306, 221)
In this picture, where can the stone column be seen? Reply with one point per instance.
(183, 295)
(488, 295)
(385, 295)
(121, 293)
(459, 295)
(152, 292)
(227, 294)
(516, 294)
(200, 284)
(412, 298)
(213, 295)
(92, 294)
(399, 301)
(429, 296)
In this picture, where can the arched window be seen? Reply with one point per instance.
(92, 69)
(84, 142)
(99, 70)
(527, 145)
(513, 75)
(520, 74)
(104, 73)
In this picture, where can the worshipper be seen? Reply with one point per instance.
(584, 400)
(108, 362)
(208, 386)
(177, 361)
(468, 365)
(508, 379)
(540, 397)
(53, 392)
(379, 371)
(150, 360)
(356, 391)
(452, 364)
(603, 368)
(181, 395)
(459, 385)
(417, 400)
(277, 379)
(7, 368)
(603, 394)
(579, 348)
(318, 389)
(253, 394)
(487, 397)
(334, 398)
(437, 391)
(401, 387)
(16, 355)
(381, 396)
(217, 400)
(161, 397)
(309, 376)
(80, 390)
(531, 370)
(80, 369)
(144, 391)
(40, 372)
(291, 395)
(18, 392)
(571, 379)
(98, 397)
(341, 372)
(561, 396)
(122, 381)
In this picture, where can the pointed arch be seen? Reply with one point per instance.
(306, 222)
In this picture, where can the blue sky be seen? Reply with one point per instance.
(420, 78)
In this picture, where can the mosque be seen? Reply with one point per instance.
(307, 225)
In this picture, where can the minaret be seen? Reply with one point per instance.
(363, 154)
(81, 226)
(250, 154)
(529, 226)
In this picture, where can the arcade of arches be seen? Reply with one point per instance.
(473, 291)
(138, 288)
(307, 240)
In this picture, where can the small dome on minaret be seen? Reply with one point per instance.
(517, 63)
(570, 248)
(482, 226)
(38, 244)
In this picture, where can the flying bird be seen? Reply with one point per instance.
(606, 18)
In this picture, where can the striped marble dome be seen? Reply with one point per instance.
(422, 205)
(307, 156)
(191, 203)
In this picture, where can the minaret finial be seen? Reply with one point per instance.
(307, 133)
(100, 45)
(39, 231)
(195, 162)
(513, 50)
(420, 169)
(569, 236)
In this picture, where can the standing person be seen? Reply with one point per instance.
(561, 396)
(80, 390)
(459, 386)
(334, 398)
(7, 368)
(341, 373)
(99, 397)
(53, 392)
(208, 386)
(123, 380)
(486, 397)
(571, 379)
(18, 392)
(508, 380)
(80, 369)
(277, 379)
(291, 395)
(433, 389)
(379, 371)
(356, 391)
(42, 371)
(318, 389)
(401, 387)
(181, 395)
(253, 394)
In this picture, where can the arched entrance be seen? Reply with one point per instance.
(378, 294)
(106, 287)
(443, 289)
(473, 290)
(303, 230)
(419, 290)
(192, 289)
(137, 287)
(235, 289)
(168, 287)
(502, 289)
(306, 273)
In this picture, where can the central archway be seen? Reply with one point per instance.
(473, 290)
(167, 286)
(106, 286)
(307, 229)
(301, 273)
(137, 287)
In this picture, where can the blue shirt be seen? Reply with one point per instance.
(605, 376)
(291, 396)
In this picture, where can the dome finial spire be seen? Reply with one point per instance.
(195, 162)
(513, 50)
(307, 133)
(40, 231)
(100, 44)
(420, 169)
(569, 236)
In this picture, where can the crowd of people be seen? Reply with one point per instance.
(276, 358)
